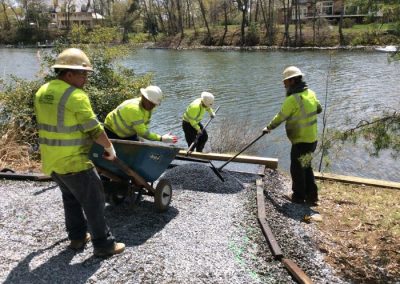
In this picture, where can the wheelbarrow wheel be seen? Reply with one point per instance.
(163, 195)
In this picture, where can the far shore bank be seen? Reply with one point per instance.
(152, 45)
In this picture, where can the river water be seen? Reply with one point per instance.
(354, 85)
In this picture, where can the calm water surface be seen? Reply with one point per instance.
(248, 87)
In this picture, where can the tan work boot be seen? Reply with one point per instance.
(79, 244)
(104, 252)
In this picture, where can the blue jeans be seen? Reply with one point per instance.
(83, 198)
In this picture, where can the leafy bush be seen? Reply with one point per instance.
(253, 35)
(107, 87)
(348, 23)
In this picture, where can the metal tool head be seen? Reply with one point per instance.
(216, 172)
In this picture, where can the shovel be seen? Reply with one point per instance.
(190, 150)
(241, 151)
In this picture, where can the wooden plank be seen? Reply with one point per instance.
(260, 200)
(261, 216)
(296, 272)
(271, 163)
(357, 180)
(33, 176)
(273, 244)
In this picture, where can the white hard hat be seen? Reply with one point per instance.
(153, 94)
(291, 72)
(207, 98)
(73, 58)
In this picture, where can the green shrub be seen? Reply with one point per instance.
(107, 87)
(348, 23)
(253, 35)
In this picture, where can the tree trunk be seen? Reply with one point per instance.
(341, 36)
(7, 24)
(287, 15)
(243, 7)
(203, 13)
(180, 21)
(159, 16)
(314, 19)
(225, 7)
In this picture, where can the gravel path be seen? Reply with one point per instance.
(210, 234)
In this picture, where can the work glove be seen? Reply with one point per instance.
(212, 114)
(109, 153)
(168, 138)
(266, 130)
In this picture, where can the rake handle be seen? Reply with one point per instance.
(241, 151)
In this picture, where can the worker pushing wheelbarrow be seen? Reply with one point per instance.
(135, 170)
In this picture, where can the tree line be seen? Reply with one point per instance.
(274, 20)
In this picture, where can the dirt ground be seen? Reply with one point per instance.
(360, 231)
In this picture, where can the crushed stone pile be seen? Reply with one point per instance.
(210, 234)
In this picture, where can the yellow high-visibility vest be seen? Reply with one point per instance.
(130, 118)
(195, 113)
(67, 127)
(300, 113)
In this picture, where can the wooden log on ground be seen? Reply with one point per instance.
(357, 180)
(33, 176)
(271, 163)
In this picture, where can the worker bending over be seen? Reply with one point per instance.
(67, 129)
(299, 110)
(130, 119)
(192, 118)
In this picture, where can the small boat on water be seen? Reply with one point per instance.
(388, 48)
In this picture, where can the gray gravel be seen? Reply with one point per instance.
(210, 234)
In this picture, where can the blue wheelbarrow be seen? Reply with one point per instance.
(137, 166)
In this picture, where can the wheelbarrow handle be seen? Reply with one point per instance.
(127, 170)
(189, 151)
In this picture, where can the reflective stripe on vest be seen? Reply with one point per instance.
(128, 127)
(293, 122)
(64, 142)
(60, 127)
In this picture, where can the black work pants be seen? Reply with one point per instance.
(303, 181)
(83, 198)
(112, 135)
(191, 134)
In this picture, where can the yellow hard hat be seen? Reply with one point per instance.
(73, 58)
(291, 72)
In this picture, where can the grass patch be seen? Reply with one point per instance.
(361, 231)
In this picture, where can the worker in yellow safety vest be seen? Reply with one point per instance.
(131, 118)
(191, 121)
(299, 110)
(67, 129)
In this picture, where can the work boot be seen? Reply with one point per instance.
(79, 244)
(289, 196)
(116, 248)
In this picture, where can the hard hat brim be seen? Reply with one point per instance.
(72, 67)
(292, 76)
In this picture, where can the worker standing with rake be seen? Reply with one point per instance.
(299, 110)
(191, 123)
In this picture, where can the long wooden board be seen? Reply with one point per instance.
(33, 176)
(271, 163)
(357, 180)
